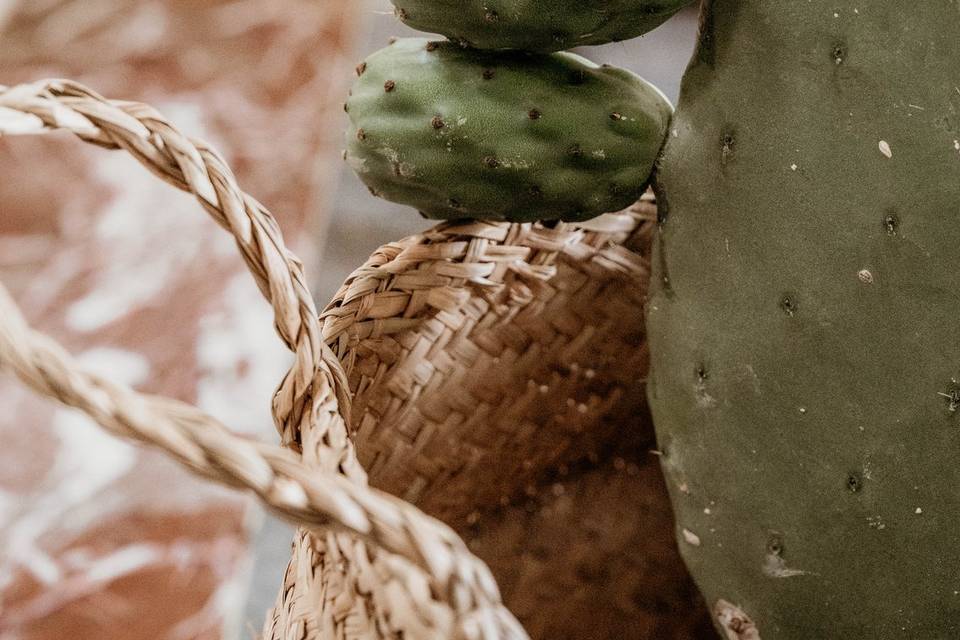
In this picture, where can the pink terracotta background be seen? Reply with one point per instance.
(100, 538)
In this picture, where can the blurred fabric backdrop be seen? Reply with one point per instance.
(99, 538)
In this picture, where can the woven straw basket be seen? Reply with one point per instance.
(488, 375)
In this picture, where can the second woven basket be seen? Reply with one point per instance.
(498, 372)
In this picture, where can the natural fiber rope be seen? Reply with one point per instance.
(194, 167)
(327, 488)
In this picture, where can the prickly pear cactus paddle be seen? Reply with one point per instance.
(467, 134)
(536, 25)
(805, 318)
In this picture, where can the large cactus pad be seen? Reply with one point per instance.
(805, 319)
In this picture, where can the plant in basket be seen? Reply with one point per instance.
(468, 448)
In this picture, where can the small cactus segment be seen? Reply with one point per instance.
(505, 136)
(536, 25)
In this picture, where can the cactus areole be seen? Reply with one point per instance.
(509, 136)
(805, 318)
(536, 25)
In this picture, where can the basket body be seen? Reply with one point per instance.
(498, 373)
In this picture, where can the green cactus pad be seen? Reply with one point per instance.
(804, 320)
(536, 25)
(507, 136)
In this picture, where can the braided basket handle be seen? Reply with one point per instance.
(323, 487)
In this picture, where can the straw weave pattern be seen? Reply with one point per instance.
(498, 373)
(482, 355)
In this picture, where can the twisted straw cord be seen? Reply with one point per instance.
(194, 167)
(315, 389)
